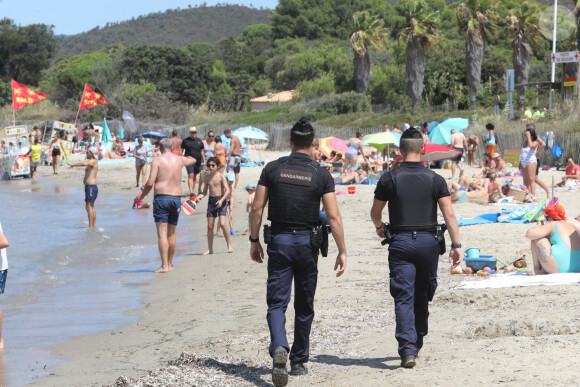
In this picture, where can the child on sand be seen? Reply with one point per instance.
(219, 192)
(251, 188)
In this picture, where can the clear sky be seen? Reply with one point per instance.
(74, 16)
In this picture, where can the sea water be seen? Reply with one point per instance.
(63, 279)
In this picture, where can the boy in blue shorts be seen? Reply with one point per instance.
(219, 193)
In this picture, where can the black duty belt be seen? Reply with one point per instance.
(289, 229)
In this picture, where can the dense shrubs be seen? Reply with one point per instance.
(332, 104)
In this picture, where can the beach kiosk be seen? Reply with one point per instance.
(15, 164)
(65, 132)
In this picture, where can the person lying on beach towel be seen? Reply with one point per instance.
(475, 192)
(356, 177)
(556, 244)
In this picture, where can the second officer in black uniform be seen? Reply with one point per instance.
(294, 187)
(413, 193)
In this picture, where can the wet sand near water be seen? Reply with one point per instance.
(213, 308)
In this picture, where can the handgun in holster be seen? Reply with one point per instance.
(388, 234)
(315, 241)
(267, 234)
(440, 234)
(325, 230)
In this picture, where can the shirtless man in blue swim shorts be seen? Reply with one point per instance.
(219, 193)
(166, 177)
(90, 181)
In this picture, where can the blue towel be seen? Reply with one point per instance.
(490, 217)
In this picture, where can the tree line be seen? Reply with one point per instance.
(398, 56)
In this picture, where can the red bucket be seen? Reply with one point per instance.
(351, 189)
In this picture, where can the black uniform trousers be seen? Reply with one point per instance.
(413, 260)
(290, 256)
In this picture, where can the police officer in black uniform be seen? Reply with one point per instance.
(294, 186)
(413, 193)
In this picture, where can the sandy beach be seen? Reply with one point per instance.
(205, 322)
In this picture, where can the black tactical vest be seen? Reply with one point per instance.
(294, 198)
(414, 203)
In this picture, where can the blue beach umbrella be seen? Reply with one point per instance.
(153, 134)
(121, 132)
(251, 132)
(441, 134)
(456, 123)
(432, 124)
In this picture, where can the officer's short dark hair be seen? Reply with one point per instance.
(302, 134)
(411, 141)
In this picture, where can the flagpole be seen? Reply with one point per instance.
(13, 111)
(78, 111)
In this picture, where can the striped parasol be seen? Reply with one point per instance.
(329, 144)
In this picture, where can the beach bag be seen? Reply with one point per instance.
(557, 151)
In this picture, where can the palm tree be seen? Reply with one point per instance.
(420, 33)
(524, 21)
(475, 18)
(368, 32)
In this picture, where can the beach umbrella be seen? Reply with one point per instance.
(456, 123)
(153, 134)
(329, 144)
(432, 124)
(251, 132)
(106, 135)
(130, 121)
(437, 152)
(382, 140)
(121, 132)
(441, 134)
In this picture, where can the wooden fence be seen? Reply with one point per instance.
(279, 133)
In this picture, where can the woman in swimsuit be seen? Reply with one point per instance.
(209, 145)
(556, 244)
(208, 149)
(220, 152)
(56, 148)
(354, 147)
(140, 154)
(528, 161)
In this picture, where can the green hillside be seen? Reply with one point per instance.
(178, 27)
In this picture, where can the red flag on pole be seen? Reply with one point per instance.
(91, 99)
(23, 96)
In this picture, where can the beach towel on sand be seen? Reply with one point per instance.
(523, 214)
(490, 217)
(517, 279)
